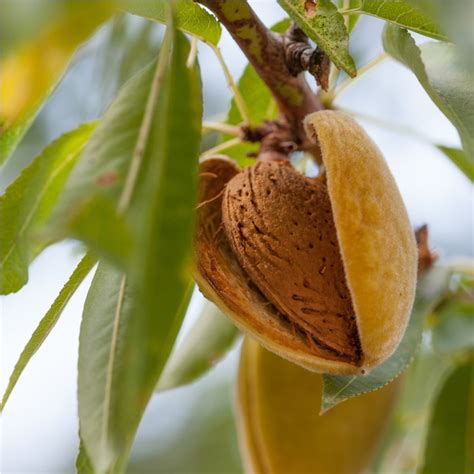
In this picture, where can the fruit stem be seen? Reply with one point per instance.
(221, 147)
(221, 127)
(329, 97)
(239, 100)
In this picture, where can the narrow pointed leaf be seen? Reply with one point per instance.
(163, 214)
(48, 322)
(190, 17)
(28, 202)
(104, 328)
(125, 344)
(460, 159)
(438, 68)
(403, 14)
(450, 440)
(30, 73)
(322, 22)
(338, 388)
(207, 342)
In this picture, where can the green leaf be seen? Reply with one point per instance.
(30, 74)
(455, 19)
(164, 221)
(105, 326)
(460, 159)
(325, 26)
(206, 344)
(437, 67)
(450, 440)
(338, 388)
(104, 231)
(83, 463)
(28, 203)
(101, 172)
(453, 327)
(127, 334)
(404, 15)
(190, 17)
(48, 322)
(105, 161)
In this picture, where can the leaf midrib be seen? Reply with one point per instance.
(111, 364)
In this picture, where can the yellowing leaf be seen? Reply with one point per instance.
(30, 73)
(281, 430)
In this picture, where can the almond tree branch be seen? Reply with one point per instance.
(266, 51)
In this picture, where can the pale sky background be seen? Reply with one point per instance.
(39, 425)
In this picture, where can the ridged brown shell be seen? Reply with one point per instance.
(279, 224)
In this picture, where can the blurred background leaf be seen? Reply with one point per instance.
(30, 72)
(437, 67)
(206, 343)
(452, 325)
(402, 448)
(456, 19)
(191, 429)
(460, 159)
(450, 443)
(114, 53)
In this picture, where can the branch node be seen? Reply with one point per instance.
(300, 56)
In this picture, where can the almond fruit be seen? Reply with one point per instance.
(322, 270)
